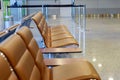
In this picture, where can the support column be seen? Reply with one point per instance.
(1, 18)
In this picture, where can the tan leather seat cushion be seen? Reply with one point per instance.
(75, 71)
(64, 42)
(5, 72)
(61, 36)
(37, 17)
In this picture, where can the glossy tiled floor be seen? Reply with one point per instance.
(102, 46)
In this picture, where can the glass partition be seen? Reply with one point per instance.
(73, 16)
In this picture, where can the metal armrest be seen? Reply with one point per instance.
(61, 50)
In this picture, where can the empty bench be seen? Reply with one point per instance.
(32, 45)
(27, 36)
(57, 36)
(29, 67)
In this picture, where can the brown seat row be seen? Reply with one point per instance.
(55, 36)
(26, 59)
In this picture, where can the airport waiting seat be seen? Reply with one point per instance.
(58, 36)
(41, 24)
(20, 58)
(27, 67)
(27, 36)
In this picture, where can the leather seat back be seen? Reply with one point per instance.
(37, 18)
(30, 42)
(41, 23)
(33, 47)
(20, 58)
(5, 71)
(45, 31)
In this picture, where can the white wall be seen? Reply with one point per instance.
(41, 2)
(65, 12)
(100, 3)
(101, 6)
(93, 6)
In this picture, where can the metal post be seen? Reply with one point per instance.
(20, 13)
(84, 26)
(46, 12)
(79, 26)
(73, 20)
(73, 9)
(43, 9)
